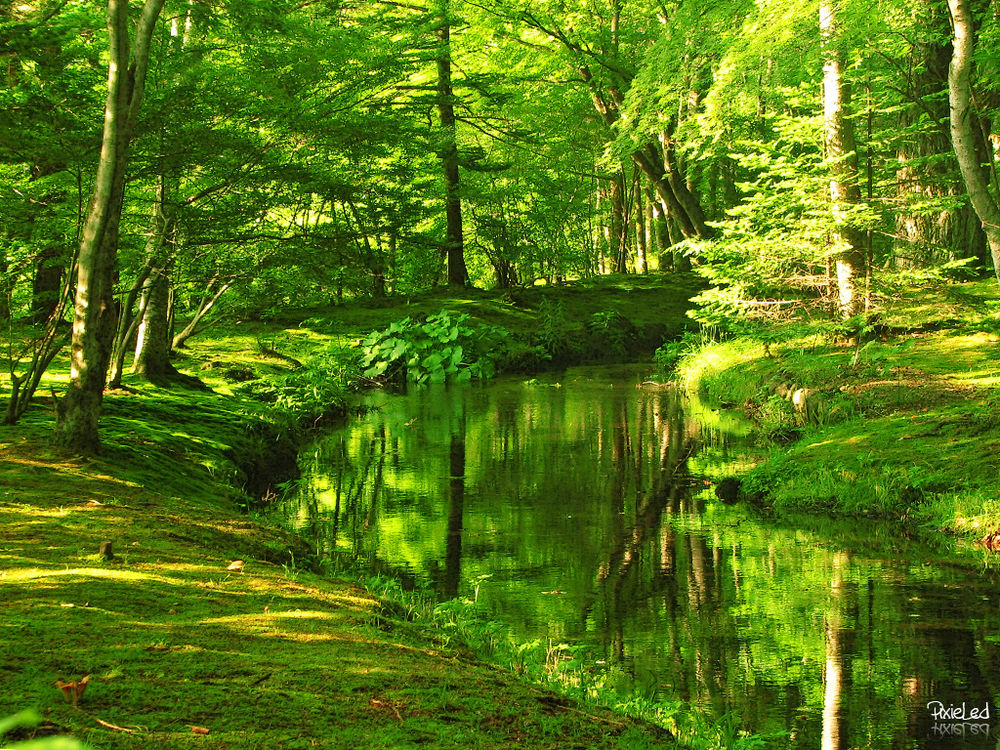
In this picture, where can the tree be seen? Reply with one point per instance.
(458, 275)
(848, 242)
(94, 314)
(935, 222)
(603, 52)
(963, 137)
(48, 82)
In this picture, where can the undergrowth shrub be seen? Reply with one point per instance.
(315, 392)
(446, 346)
(553, 329)
(610, 333)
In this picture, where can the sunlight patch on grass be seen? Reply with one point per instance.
(135, 576)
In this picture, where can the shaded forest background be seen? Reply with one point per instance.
(168, 164)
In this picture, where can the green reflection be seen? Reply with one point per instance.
(589, 507)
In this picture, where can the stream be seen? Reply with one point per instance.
(580, 508)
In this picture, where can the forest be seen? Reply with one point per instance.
(228, 228)
(257, 155)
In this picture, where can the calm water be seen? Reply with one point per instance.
(587, 501)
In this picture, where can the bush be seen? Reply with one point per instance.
(443, 347)
(610, 334)
(317, 391)
(553, 329)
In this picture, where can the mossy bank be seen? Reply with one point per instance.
(208, 627)
(901, 423)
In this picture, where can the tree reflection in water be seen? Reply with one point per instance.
(588, 507)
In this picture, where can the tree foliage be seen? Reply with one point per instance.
(300, 155)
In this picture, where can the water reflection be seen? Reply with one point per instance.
(586, 503)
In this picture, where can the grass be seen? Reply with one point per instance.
(906, 426)
(270, 655)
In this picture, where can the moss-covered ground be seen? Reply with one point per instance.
(903, 423)
(205, 629)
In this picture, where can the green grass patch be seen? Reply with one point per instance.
(904, 426)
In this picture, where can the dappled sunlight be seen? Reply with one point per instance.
(981, 378)
(31, 574)
(840, 441)
(295, 614)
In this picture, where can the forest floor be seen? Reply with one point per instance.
(206, 629)
(271, 654)
(904, 425)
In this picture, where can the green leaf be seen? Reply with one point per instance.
(26, 718)
(398, 351)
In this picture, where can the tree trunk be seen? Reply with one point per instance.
(962, 134)
(848, 241)
(690, 205)
(373, 256)
(639, 206)
(946, 234)
(46, 286)
(682, 204)
(458, 275)
(648, 229)
(128, 323)
(661, 230)
(152, 347)
(204, 309)
(658, 164)
(94, 311)
(618, 239)
(6, 288)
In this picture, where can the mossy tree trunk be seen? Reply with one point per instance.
(94, 316)
(152, 348)
(970, 158)
(153, 338)
(47, 282)
(927, 167)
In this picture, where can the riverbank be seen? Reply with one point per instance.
(901, 425)
(204, 626)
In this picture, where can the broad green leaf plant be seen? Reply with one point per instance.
(444, 347)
